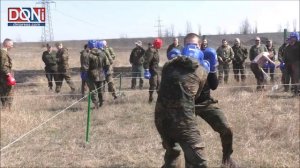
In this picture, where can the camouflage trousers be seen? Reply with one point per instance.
(176, 139)
(96, 88)
(218, 122)
(294, 71)
(60, 77)
(223, 70)
(154, 82)
(6, 94)
(237, 70)
(83, 87)
(111, 85)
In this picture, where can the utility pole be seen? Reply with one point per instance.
(47, 30)
(159, 27)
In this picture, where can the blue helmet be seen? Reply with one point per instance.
(294, 35)
(193, 51)
(92, 44)
(100, 44)
(173, 53)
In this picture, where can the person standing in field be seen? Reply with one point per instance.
(151, 66)
(84, 64)
(257, 49)
(285, 77)
(96, 73)
(49, 58)
(225, 56)
(62, 57)
(110, 55)
(175, 44)
(136, 60)
(7, 81)
(240, 55)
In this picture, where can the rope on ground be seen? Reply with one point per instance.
(43, 123)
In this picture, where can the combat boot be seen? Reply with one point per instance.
(115, 96)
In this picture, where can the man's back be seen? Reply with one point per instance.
(182, 80)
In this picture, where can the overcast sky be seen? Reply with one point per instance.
(76, 20)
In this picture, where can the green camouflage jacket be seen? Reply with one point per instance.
(50, 60)
(225, 54)
(255, 50)
(97, 65)
(5, 64)
(240, 54)
(62, 57)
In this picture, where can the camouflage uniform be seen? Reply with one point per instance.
(225, 55)
(110, 56)
(96, 77)
(285, 78)
(292, 64)
(136, 60)
(84, 62)
(6, 92)
(50, 67)
(256, 50)
(240, 55)
(62, 56)
(206, 108)
(151, 63)
(268, 66)
(175, 120)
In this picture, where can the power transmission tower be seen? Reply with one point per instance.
(159, 27)
(47, 30)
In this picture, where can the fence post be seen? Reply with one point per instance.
(120, 86)
(88, 119)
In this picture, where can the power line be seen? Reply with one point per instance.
(159, 27)
(47, 30)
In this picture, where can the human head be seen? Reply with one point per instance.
(92, 44)
(224, 42)
(293, 38)
(192, 38)
(237, 42)
(100, 44)
(8, 44)
(269, 42)
(138, 43)
(85, 46)
(257, 41)
(59, 45)
(104, 43)
(175, 41)
(49, 47)
(157, 43)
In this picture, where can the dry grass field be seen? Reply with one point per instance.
(122, 133)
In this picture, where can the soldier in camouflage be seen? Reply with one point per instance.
(62, 57)
(95, 70)
(269, 67)
(6, 91)
(49, 58)
(136, 60)
(225, 56)
(257, 49)
(110, 56)
(240, 55)
(152, 64)
(207, 109)
(84, 64)
(285, 78)
(182, 81)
